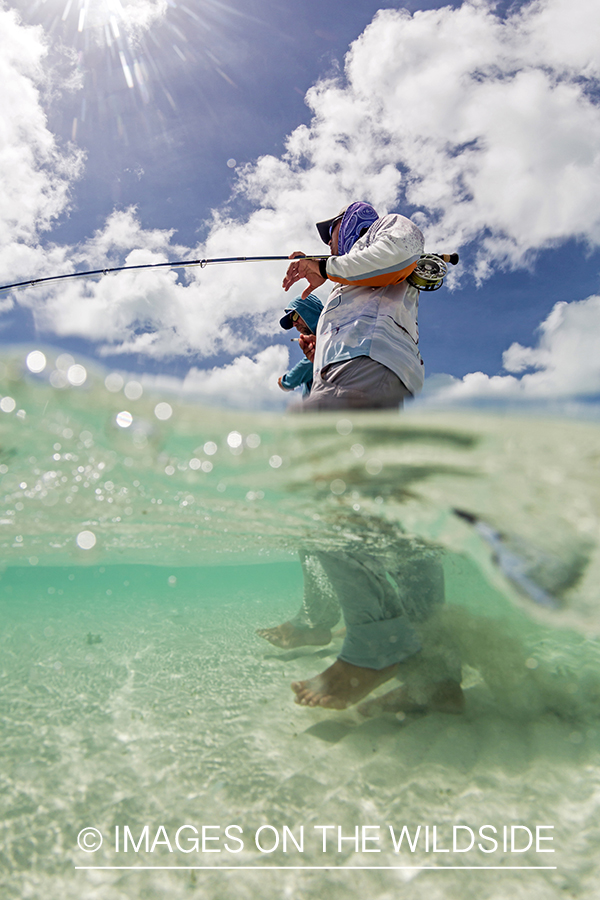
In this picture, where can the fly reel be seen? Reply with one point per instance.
(431, 270)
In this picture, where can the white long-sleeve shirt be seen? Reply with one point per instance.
(373, 312)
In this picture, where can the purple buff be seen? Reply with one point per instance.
(358, 218)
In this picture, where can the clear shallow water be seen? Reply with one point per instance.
(134, 690)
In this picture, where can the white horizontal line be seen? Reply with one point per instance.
(300, 868)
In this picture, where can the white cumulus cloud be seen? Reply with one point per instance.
(488, 124)
(483, 122)
(565, 362)
(247, 382)
(36, 174)
(150, 311)
(480, 121)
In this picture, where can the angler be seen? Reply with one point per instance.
(365, 352)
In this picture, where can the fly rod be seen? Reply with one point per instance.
(428, 275)
(180, 264)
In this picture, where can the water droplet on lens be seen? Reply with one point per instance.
(133, 390)
(35, 361)
(86, 540)
(234, 439)
(64, 362)
(163, 411)
(76, 375)
(113, 382)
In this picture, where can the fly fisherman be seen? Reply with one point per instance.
(365, 352)
(303, 315)
(365, 357)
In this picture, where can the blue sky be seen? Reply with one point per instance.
(151, 130)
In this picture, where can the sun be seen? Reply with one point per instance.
(111, 21)
(126, 54)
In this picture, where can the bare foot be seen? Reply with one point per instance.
(341, 685)
(288, 636)
(443, 696)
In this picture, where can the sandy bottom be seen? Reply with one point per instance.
(154, 703)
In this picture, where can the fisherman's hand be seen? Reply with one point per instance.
(307, 345)
(303, 268)
(282, 386)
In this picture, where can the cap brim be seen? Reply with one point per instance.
(324, 228)
(286, 321)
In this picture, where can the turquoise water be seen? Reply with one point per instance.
(136, 693)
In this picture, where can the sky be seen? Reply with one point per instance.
(136, 131)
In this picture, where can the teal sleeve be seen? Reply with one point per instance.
(301, 373)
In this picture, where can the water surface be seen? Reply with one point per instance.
(137, 563)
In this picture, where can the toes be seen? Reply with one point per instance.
(313, 700)
(306, 695)
(301, 690)
(305, 700)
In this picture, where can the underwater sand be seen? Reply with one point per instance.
(134, 691)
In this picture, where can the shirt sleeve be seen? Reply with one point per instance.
(386, 254)
(301, 373)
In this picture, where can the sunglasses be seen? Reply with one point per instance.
(333, 224)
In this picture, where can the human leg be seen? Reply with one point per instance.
(318, 614)
(378, 634)
(390, 601)
(431, 681)
(360, 383)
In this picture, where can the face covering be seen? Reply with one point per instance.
(358, 218)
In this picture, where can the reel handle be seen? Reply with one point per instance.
(451, 258)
